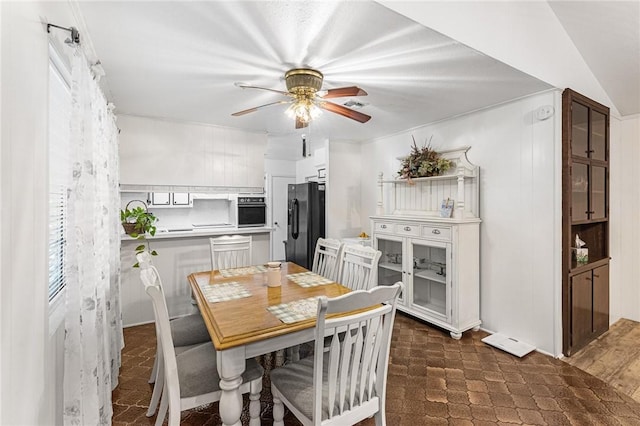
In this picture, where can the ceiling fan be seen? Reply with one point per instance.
(306, 98)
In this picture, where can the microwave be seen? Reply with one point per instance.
(252, 211)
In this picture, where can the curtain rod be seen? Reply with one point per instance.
(75, 34)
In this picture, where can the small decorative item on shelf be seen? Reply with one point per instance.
(582, 253)
(446, 208)
(138, 222)
(423, 162)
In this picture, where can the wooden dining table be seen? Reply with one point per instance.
(243, 328)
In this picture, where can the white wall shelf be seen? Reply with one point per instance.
(424, 196)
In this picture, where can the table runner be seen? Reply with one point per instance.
(223, 292)
(295, 311)
(246, 270)
(308, 279)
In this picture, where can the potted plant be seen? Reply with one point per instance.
(138, 222)
(423, 162)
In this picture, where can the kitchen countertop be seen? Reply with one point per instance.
(202, 232)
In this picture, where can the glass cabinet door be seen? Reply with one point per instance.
(390, 264)
(579, 130)
(429, 266)
(580, 191)
(598, 192)
(598, 136)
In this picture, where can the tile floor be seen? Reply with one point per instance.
(433, 380)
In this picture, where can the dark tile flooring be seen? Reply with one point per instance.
(433, 380)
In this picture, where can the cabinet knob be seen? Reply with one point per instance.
(435, 231)
(596, 276)
(383, 226)
(407, 228)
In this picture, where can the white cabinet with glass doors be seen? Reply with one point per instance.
(439, 265)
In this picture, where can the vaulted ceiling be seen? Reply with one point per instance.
(607, 34)
(181, 60)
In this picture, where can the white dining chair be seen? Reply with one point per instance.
(358, 267)
(346, 383)
(325, 263)
(191, 377)
(186, 331)
(325, 258)
(230, 251)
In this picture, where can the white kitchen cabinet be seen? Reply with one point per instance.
(160, 199)
(437, 258)
(181, 199)
(439, 265)
(169, 199)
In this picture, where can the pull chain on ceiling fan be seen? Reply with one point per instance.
(307, 100)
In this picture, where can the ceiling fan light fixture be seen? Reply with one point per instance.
(304, 110)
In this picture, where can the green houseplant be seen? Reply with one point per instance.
(138, 222)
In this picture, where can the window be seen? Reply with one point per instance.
(59, 169)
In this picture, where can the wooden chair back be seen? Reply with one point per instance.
(171, 386)
(358, 267)
(230, 251)
(358, 354)
(325, 258)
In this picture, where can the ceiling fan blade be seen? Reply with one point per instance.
(343, 91)
(301, 124)
(344, 111)
(247, 111)
(246, 86)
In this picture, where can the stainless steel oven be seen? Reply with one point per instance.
(252, 211)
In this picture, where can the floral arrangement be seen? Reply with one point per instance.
(423, 162)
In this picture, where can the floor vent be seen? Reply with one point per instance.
(508, 344)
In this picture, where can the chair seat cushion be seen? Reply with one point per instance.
(198, 372)
(189, 330)
(295, 382)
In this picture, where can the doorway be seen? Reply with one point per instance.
(278, 203)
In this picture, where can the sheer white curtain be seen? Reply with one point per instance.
(93, 322)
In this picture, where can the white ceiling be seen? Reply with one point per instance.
(607, 34)
(180, 60)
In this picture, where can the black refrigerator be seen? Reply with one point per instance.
(305, 223)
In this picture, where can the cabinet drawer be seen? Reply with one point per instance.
(437, 232)
(407, 229)
(383, 227)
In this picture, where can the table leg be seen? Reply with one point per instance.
(231, 365)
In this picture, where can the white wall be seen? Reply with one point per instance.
(307, 168)
(30, 365)
(520, 207)
(624, 214)
(165, 152)
(343, 201)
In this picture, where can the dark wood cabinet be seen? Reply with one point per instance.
(600, 299)
(585, 215)
(589, 305)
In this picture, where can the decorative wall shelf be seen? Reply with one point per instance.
(423, 196)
